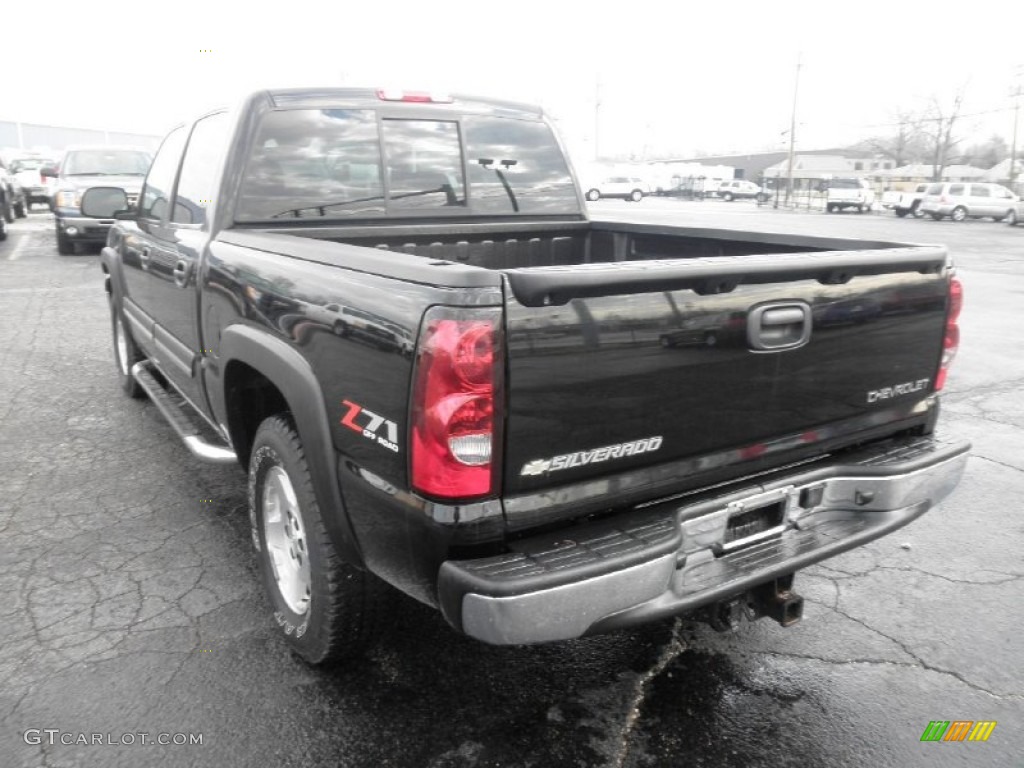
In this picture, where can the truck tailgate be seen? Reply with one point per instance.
(623, 365)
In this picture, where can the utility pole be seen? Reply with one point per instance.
(792, 131)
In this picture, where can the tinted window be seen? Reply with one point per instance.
(105, 162)
(202, 158)
(424, 164)
(980, 190)
(956, 189)
(153, 203)
(935, 189)
(516, 166)
(313, 163)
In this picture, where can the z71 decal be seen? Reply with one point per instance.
(368, 424)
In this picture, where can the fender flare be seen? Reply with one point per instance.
(294, 378)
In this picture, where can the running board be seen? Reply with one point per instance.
(172, 407)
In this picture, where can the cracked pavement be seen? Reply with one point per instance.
(133, 603)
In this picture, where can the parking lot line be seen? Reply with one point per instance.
(17, 249)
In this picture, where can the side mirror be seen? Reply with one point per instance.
(48, 172)
(106, 203)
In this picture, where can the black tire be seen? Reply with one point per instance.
(938, 216)
(126, 353)
(728, 197)
(901, 212)
(21, 210)
(337, 613)
(3, 231)
(593, 194)
(958, 214)
(65, 246)
(636, 195)
(8, 210)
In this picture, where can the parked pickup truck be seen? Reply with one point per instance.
(392, 311)
(903, 203)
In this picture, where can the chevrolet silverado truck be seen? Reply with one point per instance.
(393, 312)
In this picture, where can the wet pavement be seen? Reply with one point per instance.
(133, 604)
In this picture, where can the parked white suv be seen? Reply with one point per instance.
(737, 189)
(961, 201)
(848, 193)
(628, 187)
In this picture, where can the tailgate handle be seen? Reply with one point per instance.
(782, 316)
(780, 326)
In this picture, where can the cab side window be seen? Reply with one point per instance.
(198, 171)
(156, 193)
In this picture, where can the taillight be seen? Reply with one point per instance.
(413, 97)
(951, 338)
(456, 409)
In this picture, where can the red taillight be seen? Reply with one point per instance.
(414, 97)
(456, 413)
(951, 338)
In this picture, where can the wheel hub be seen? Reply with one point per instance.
(286, 540)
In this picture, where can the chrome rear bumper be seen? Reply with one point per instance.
(675, 557)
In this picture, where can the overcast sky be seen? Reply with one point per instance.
(673, 77)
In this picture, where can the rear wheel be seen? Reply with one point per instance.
(901, 212)
(959, 213)
(937, 216)
(636, 195)
(8, 212)
(593, 194)
(326, 609)
(728, 197)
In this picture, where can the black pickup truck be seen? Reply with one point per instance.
(392, 311)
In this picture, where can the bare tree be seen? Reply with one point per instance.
(940, 124)
(906, 145)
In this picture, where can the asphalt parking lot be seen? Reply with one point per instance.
(132, 604)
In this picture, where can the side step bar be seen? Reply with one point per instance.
(172, 407)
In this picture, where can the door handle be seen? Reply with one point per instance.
(145, 256)
(182, 269)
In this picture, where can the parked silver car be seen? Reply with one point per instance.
(960, 201)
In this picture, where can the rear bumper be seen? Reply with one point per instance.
(676, 557)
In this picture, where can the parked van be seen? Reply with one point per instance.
(960, 200)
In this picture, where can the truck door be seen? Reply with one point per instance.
(177, 249)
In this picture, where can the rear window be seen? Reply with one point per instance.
(329, 163)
